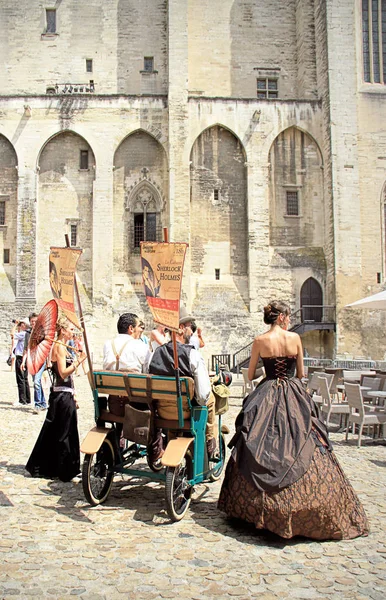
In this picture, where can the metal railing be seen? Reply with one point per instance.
(71, 88)
(314, 313)
(219, 360)
(240, 356)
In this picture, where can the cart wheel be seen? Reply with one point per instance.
(178, 490)
(155, 465)
(218, 471)
(98, 473)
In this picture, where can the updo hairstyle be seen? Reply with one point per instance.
(61, 323)
(274, 309)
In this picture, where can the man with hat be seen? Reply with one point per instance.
(21, 375)
(190, 364)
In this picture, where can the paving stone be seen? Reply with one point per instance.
(51, 536)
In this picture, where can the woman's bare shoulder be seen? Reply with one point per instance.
(293, 335)
(260, 337)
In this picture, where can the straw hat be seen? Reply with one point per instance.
(185, 317)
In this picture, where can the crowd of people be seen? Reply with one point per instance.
(282, 474)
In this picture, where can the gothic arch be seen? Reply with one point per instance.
(140, 197)
(144, 194)
(152, 132)
(219, 203)
(301, 130)
(7, 144)
(220, 126)
(8, 213)
(60, 133)
(297, 210)
(66, 173)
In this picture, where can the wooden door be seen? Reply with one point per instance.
(311, 295)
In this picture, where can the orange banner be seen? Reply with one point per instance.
(62, 268)
(162, 268)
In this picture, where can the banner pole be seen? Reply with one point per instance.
(91, 376)
(175, 356)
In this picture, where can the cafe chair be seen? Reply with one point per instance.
(360, 414)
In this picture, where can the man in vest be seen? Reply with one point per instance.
(191, 364)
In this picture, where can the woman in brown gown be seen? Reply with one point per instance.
(283, 475)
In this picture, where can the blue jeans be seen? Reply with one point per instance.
(39, 399)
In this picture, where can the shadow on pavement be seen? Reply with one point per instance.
(206, 514)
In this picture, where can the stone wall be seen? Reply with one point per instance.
(174, 135)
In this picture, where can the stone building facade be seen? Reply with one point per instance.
(251, 129)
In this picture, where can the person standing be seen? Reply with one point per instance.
(283, 474)
(158, 337)
(21, 375)
(39, 399)
(56, 452)
(196, 340)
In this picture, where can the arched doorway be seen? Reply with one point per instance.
(311, 295)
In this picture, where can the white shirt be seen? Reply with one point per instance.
(132, 358)
(194, 341)
(202, 387)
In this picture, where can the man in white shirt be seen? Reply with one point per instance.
(126, 352)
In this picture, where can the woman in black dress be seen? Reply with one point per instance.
(56, 452)
(283, 475)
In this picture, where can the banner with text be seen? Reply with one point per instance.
(62, 268)
(162, 267)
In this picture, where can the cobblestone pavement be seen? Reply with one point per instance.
(53, 545)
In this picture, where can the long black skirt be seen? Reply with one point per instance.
(56, 452)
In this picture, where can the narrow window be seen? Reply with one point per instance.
(84, 160)
(89, 65)
(217, 274)
(292, 204)
(216, 194)
(51, 20)
(138, 229)
(267, 88)
(145, 228)
(374, 41)
(148, 63)
(6, 256)
(2, 212)
(379, 278)
(151, 227)
(74, 235)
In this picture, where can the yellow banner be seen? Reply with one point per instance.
(62, 268)
(162, 268)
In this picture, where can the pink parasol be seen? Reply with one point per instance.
(42, 337)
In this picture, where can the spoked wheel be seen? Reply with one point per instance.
(98, 473)
(220, 466)
(154, 465)
(178, 490)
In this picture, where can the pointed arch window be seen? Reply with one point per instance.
(145, 224)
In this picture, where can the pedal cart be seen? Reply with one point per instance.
(185, 461)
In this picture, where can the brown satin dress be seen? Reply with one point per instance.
(283, 475)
